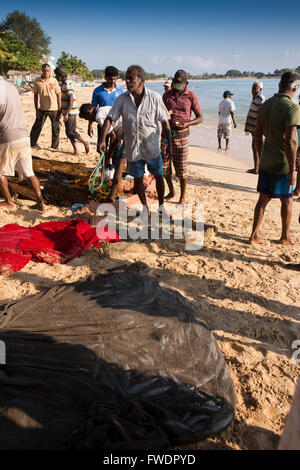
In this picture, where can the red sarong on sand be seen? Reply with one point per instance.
(49, 242)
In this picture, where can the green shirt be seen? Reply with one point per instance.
(275, 115)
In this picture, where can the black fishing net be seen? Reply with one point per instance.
(115, 362)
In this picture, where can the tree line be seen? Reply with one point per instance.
(25, 46)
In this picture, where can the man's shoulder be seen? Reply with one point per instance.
(99, 88)
(153, 94)
(190, 93)
(121, 98)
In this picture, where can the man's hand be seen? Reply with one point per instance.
(102, 146)
(247, 133)
(58, 116)
(182, 125)
(66, 117)
(292, 177)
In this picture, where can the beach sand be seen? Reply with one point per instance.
(245, 293)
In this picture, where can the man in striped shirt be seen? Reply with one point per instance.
(250, 126)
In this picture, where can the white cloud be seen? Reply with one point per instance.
(236, 56)
(194, 61)
(158, 59)
(292, 54)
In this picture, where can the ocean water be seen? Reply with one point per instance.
(209, 94)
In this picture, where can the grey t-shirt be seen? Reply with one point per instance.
(12, 121)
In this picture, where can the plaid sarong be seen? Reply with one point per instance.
(179, 158)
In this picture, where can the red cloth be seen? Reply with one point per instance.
(49, 242)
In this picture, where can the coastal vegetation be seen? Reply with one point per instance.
(73, 65)
(25, 46)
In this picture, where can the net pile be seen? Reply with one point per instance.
(116, 362)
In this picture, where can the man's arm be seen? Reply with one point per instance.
(113, 116)
(104, 131)
(90, 129)
(198, 119)
(233, 120)
(58, 96)
(36, 104)
(259, 140)
(290, 150)
(167, 134)
(90, 125)
(66, 116)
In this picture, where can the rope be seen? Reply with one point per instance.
(93, 182)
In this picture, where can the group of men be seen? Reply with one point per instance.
(154, 131)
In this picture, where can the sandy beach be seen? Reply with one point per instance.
(246, 295)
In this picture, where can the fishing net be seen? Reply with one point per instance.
(115, 362)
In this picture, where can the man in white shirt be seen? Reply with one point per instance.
(143, 115)
(226, 117)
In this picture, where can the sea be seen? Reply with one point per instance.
(209, 94)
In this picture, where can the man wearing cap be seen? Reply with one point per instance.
(278, 119)
(226, 117)
(258, 99)
(180, 102)
(167, 85)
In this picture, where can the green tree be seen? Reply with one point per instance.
(233, 73)
(15, 55)
(72, 64)
(297, 69)
(260, 74)
(27, 30)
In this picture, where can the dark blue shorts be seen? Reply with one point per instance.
(274, 185)
(137, 169)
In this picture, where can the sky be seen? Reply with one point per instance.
(199, 37)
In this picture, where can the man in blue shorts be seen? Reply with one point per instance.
(278, 119)
(143, 114)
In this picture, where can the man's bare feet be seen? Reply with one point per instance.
(40, 206)
(219, 149)
(87, 147)
(227, 150)
(182, 201)
(8, 205)
(288, 241)
(76, 153)
(256, 240)
(253, 171)
(170, 195)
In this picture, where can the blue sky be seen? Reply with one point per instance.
(164, 36)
